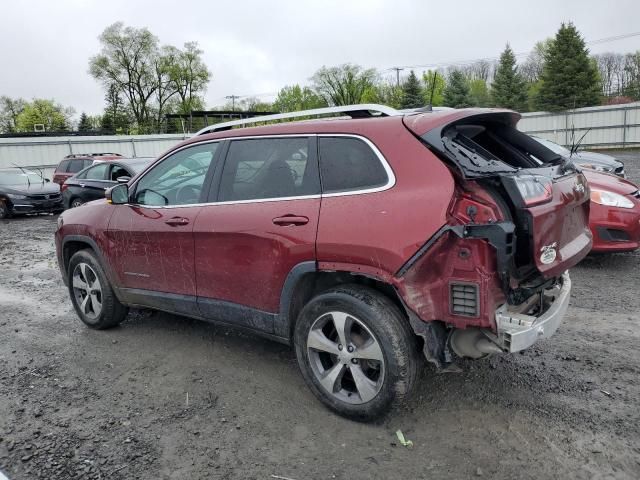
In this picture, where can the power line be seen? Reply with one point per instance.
(461, 63)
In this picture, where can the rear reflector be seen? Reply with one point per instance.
(464, 299)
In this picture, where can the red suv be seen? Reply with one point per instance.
(72, 164)
(362, 242)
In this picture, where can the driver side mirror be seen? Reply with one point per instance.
(118, 195)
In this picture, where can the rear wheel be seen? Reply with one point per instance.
(91, 293)
(356, 351)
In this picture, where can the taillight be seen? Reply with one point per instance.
(534, 189)
(63, 187)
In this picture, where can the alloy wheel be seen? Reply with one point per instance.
(87, 290)
(345, 357)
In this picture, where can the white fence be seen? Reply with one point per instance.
(611, 126)
(48, 151)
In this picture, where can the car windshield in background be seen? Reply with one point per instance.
(138, 165)
(554, 147)
(19, 178)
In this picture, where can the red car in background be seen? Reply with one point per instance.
(72, 164)
(614, 217)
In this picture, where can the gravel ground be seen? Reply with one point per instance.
(164, 397)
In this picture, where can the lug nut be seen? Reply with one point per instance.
(354, 360)
(339, 347)
(350, 348)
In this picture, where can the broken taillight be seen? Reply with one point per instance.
(534, 189)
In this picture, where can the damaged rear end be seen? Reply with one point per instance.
(494, 279)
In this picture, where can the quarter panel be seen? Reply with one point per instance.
(382, 230)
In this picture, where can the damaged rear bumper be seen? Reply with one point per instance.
(518, 331)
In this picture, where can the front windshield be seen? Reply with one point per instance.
(19, 178)
(554, 147)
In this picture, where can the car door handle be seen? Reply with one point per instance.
(82, 185)
(290, 220)
(177, 221)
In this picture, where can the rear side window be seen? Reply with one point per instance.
(76, 165)
(348, 164)
(269, 168)
(63, 166)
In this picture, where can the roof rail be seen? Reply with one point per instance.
(364, 110)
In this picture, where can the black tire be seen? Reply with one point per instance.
(111, 311)
(4, 211)
(386, 324)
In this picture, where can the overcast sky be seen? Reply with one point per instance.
(256, 47)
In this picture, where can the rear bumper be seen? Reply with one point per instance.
(517, 331)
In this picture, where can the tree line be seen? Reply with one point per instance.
(144, 80)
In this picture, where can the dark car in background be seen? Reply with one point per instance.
(72, 164)
(591, 160)
(25, 191)
(91, 183)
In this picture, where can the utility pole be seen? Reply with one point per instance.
(398, 70)
(233, 101)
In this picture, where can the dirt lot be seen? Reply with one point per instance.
(163, 397)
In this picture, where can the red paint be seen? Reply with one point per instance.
(625, 219)
(153, 248)
(242, 256)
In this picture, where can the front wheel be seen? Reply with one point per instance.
(356, 351)
(91, 293)
(4, 210)
(76, 202)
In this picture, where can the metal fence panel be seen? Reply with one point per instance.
(609, 126)
(48, 151)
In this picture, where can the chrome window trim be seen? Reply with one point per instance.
(391, 178)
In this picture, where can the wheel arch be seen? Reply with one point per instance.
(72, 244)
(305, 281)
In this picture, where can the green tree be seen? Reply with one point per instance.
(569, 77)
(508, 89)
(412, 92)
(52, 115)
(295, 98)
(116, 117)
(343, 85)
(190, 77)
(434, 83)
(456, 93)
(150, 76)
(384, 93)
(9, 110)
(84, 125)
(479, 93)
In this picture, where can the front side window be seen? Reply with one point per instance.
(94, 173)
(269, 168)
(348, 164)
(178, 179)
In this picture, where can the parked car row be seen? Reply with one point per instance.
(363, 243)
